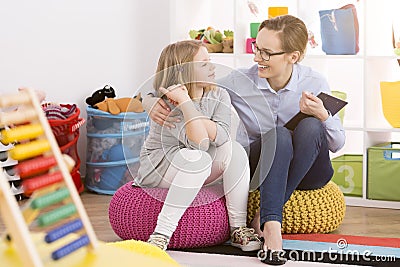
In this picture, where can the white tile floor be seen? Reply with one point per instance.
(189, 259)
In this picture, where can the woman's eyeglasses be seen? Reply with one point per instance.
(264, 54)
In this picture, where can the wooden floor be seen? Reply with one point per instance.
(357, 221)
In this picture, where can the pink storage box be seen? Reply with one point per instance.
(248, 45)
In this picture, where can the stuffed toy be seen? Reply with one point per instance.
(125, 104)
(100, 95)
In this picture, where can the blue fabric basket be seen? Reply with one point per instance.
(113, 148)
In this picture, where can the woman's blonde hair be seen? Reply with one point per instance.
(292, 32)
(174, 65)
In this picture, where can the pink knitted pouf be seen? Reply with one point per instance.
(133, 213)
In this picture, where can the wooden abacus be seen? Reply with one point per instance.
(45, 176)
(51, 228)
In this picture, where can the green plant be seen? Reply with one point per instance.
(210, 35)
(213, 36)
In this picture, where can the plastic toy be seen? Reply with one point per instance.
(125, 104)
(311, 39)
(253, 8)
(100, 95)
(33, 138)
(52, 227)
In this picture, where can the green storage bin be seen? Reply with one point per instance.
(384, 172)
(348, 174)
(254, 29)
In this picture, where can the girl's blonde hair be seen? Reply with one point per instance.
(292, 32)
(174, 65)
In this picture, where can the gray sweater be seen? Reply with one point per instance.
(162, 143)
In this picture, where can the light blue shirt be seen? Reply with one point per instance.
(261, 108)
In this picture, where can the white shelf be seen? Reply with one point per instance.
(333, 57)
(221, 55)
(358, 75)
(357, 201)
(352, 128)
(383, 130)
(384, 57)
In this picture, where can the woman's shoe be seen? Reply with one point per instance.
(273, 257)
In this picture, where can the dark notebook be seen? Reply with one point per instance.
(331, 103)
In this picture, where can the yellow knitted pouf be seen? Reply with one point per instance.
(307, 211)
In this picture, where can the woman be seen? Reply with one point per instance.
(281, 160)
(301, 160)
(198, 151)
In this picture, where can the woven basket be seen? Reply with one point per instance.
(307, 211)
(227, 46)
(214, 48)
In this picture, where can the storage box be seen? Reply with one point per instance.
(275, 11)
(107, 177)
(384, 172)
(113, 147)
(348, 174)
(249, 49)
(254, 29)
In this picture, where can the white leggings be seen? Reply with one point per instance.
(192, 169)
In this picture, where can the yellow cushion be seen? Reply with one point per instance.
(145, 249)
(120, 253)
(307, 211)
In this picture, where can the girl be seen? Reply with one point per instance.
(199, 150)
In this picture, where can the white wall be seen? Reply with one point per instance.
(70, 48)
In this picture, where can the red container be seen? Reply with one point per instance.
(66, 132)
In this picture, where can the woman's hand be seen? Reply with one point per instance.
(177, 94)
(312, 105)
(159, 112)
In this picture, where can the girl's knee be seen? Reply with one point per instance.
(229, 153)
(193, 160)
(232, 149)
(239, 151)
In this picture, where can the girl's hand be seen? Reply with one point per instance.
(312, 105)
(176, 94)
